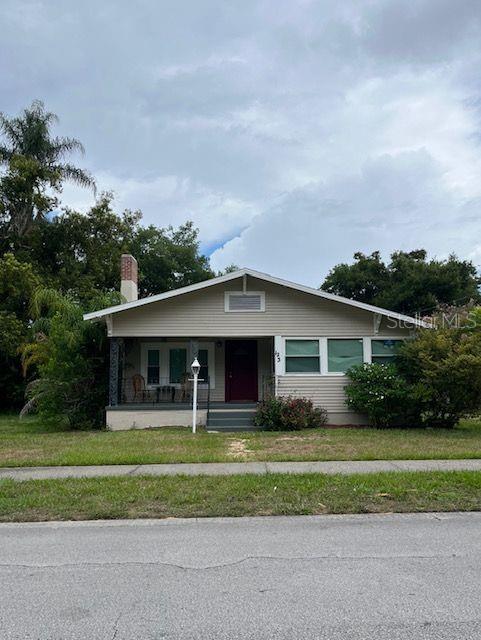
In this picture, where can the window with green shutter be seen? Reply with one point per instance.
(177, 364)
(302, 356)
(343, 354)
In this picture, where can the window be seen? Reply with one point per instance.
(384, 351)
(343, 354)
(153, 366)
(177, 364)
(203, 358)
(302, 356)
(240, 302)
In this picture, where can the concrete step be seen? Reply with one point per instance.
(232, 418)
(229, 406)
(230, 423)
(235, 413)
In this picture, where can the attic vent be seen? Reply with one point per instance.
(244, 302)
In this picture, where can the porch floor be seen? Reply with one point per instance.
(176, 406)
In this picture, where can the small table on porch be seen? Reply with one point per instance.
(164, 389)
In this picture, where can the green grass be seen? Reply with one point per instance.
(31, 442)
(242, 495)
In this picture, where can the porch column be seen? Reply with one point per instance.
(114, 372)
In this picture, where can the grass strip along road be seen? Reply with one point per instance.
(242, 495)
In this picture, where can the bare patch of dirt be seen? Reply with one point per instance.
(238, 448)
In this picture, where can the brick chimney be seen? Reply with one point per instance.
(128, 277)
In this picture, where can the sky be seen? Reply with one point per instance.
(292, 132)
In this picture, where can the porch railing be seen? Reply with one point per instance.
(268, 386)
(134, 390)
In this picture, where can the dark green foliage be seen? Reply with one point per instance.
(72, 360)
(380, 393)
(443, 367)
(289, 414)
(18, 281)
(436, 381)
(409, 283)
(80, 253)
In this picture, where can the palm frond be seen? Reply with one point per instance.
(28, 407)
(62, 146)
(78, 176)
(50, 300)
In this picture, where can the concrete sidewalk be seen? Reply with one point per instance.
(232, 468)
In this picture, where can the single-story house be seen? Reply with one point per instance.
(253, 334)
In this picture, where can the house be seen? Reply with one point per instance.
(253, 334)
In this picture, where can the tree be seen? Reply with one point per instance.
(34, 168)
(408, 284)
(80, 254)
(18, 281)
(169, 258)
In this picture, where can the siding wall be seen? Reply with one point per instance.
(288, 312)
(324, 391)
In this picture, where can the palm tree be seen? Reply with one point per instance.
(35, 167)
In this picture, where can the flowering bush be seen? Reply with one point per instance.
(378, 391)
(289, 414)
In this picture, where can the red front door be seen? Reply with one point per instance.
(241, 370)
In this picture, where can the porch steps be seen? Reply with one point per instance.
(238, 417)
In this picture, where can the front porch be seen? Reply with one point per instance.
(151, 386)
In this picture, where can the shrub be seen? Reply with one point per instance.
(379, 392)
(443, 367)
(289, 414)
(71, 357)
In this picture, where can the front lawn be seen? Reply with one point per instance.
(31, 442)
(242, 495)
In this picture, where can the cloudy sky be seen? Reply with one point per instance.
(292, 132)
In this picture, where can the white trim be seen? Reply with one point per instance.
(318, 355)
(260, 276)
(279, 356)
(109, 324)
(163, 349)
(367, 349)
(228, 294)
(280, 349)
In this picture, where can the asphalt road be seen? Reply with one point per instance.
(329, 577)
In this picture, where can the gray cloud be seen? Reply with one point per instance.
(292, 132)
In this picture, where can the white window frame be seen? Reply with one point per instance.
(228, 294)
(164, 370)
(380, 338)
(280, 353)
(298, 373)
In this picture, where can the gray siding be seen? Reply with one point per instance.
(288, 312)
(324, 391)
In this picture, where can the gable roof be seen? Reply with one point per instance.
(260, 276)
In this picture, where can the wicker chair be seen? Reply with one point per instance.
(138, 388)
